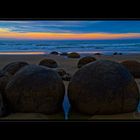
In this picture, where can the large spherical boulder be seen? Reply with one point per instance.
(13, 67)
(133, 66)
(4, 79)
(103, 87)
(48, 63)
(74, 55)
(85, 60)
(35, 89)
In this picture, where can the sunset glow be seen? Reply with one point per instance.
(69, 30)
(67, 36)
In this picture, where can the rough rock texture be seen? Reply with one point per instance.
(61, 72)
(64, 75)
(4, 78)
(54, 52)
(48, 63)
(35, 89)
(13, 67)
(103, 87)
(74, 55)
(133, 66)
(8, 71)
(85, 60)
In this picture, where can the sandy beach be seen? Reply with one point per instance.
(70, 65)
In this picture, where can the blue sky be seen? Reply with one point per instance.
(93, 29)
(73, 26)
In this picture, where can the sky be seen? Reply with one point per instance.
(70, 30)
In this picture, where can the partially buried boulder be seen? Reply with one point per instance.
(54, 53)
(48, 63)
(13, 67)
(103, 87)
(35, 89)
(8, 71)
(74, 55)
(64, 75)
(133, 66)
(61, 72)
(85, 60)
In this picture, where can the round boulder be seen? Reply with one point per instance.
(54, 52)
(48, 63)
(4, 79)
(97, 54)
(74, 55)
(13, 67)
(35, 89)
(61, 72)
(85, 60)
(133, 66)
(64, 75)
(103, 87)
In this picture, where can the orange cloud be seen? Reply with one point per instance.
(39, 35)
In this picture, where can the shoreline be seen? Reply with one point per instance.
(80, 52)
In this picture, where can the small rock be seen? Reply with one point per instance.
(74, 55)
(48, 63)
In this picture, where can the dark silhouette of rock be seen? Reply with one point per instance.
(103, 87)
(74, 55)
(8, 71)
(97, 54)
(115, 53)
(133, 66)
(54, 52)
(35, 89)
(13, 67)
(64, 75)
(85, 60)
(48, 63)
(4, 79)
(61, 72)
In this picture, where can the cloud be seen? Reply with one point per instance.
(4, 30)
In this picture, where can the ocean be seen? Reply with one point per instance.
(124, 46)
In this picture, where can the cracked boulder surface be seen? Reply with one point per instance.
(49, 63)
(13, 67)
(103, 87)
(85, 60)
(35, 89)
